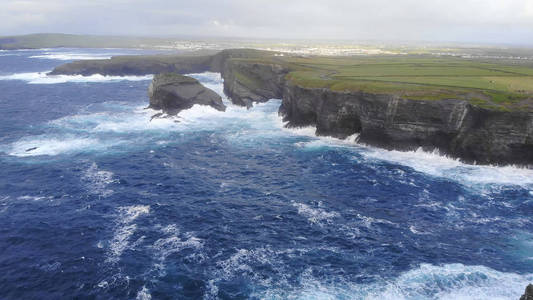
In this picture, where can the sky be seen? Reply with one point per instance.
(468, 21)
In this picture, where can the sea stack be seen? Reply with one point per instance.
(172, 93)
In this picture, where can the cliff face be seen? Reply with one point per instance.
(248, 82)
(453, 127)
(173, 93)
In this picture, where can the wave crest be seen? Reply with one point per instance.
(44, 78)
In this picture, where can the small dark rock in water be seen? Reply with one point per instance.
(173, 93)
(156, 116)
(528, 294)
(31, 149)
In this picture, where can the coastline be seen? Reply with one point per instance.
(453, 127)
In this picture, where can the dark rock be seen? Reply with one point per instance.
(155, 116)
(173, 93)
(528, 294)
(454, 127)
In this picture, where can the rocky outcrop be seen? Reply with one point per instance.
(137, 65)
(528, 294)
(453, 127)
(173, 93)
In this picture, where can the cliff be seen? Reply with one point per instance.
(247, 82)
(454, 126)
(173, 93)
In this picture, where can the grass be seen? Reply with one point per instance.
(499, 85)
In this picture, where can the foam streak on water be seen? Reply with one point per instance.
(125, 228)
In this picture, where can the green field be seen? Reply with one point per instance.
(492, 84)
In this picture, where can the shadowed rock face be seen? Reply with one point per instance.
(173, 93)
(528, 295)
(454, 127)
(248, 82)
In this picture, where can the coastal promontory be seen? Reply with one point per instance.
(478, 111)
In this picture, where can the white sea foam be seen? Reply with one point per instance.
(431, 163)
(128, 214)
(434, 164)
(34, 198)
(368, 222)
(315, 215)
(71, 56)
(124, 229)
(97, 180)
(44, 78)
(240, 264)
(144, 294)
(447, 282)
(54, 145)
(173, 242)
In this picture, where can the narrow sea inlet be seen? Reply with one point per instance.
(99, 201)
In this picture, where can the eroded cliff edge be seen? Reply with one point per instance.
(453, 126)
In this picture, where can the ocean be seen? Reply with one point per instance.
(97, 201)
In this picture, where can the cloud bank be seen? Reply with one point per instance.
(486, 21)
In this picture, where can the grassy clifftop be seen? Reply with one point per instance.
(493, 84)
(496, 85)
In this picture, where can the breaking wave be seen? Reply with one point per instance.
(435, 164)
(446, 282)
(71, 56)
(44, 78)
(431, 163)
(55, 145)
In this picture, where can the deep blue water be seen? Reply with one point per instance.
(233, 206)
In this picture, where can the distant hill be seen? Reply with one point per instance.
(55, 40)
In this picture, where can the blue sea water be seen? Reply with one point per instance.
(231, 205)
